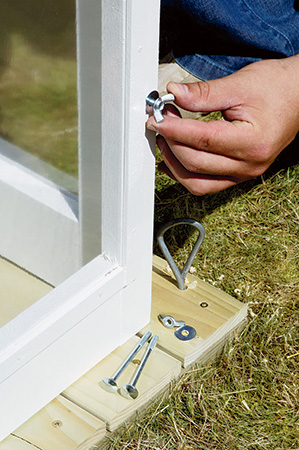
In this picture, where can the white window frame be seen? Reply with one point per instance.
(56, 340)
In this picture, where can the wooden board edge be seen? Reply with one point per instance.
(94, 440)
(215, 350)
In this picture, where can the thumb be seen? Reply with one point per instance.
(205, 96)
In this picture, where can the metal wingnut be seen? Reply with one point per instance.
(155, 104)
(183, 333)
(170, 322)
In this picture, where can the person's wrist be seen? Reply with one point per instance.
(291, 65)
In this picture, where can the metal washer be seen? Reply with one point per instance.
(185, 333)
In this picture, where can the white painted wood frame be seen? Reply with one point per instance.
(103, 303)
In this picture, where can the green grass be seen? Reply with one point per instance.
(249, 397)
(39, 97)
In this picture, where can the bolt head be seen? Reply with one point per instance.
(108, 384)
(129, 391)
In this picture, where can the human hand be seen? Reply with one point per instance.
(260, 105)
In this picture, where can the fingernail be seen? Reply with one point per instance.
(184, 88)
(151, 125)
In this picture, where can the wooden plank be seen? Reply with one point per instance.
(56, 340)
(83, 405)
(15, 443)
(141, 20)
(112, 407)
(117, 163)
(117, 68)
(59, 425)
(214, 324)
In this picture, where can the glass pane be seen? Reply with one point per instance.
(38, 94)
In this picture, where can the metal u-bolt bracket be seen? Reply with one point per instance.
(155, 104)
(180, 275)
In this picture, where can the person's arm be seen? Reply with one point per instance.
(260, 105)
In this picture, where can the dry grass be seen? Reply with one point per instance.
(249, 398)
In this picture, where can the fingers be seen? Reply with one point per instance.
(198, 161)
(162, 167)
(261, 119)
(214, 95)
(197, 184)
(171, 111)
(219, 136)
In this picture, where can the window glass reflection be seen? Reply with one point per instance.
(38, 99)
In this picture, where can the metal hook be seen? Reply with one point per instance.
(180, 275)
(157, 103)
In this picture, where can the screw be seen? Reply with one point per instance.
(136, 362)
(109, 384)
(57, 424)
(129, 390)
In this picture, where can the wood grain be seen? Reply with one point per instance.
(159, 370)
(77, 419)
(213, 324)
(15, 443)
(59, 425)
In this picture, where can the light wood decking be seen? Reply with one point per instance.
(83, 416)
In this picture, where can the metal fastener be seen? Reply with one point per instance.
(129, 390)
(180, 275)
(204, 304)
(109, 384)
(155, 104)
(57, 424)
(184, 332)
(170, 322)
